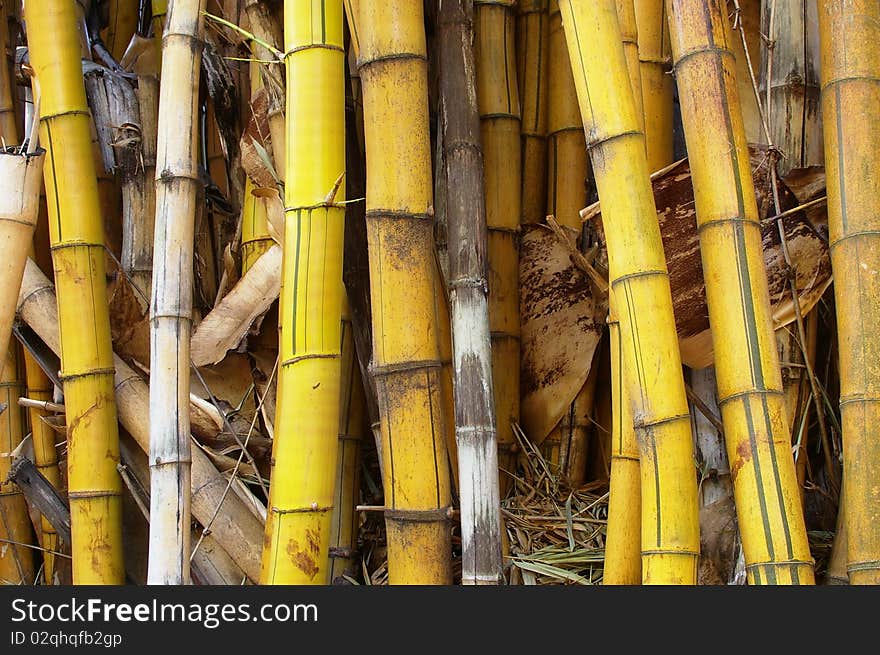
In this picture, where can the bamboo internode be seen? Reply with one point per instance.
(747, 366)
(657, 84)
(637, 270)
(406, 350)
(77, 239)
(301, 492)
(850, 46)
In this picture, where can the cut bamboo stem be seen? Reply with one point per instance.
(637, 270)
(406, 351)
(746, 362)
(850, 45)
(76, 232)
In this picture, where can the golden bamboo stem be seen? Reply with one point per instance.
(746, 361)
(40, 388)
(8, 125)
(406, 349)
(123, 23)
(301, 492)
(626, 17)
(750, 22)
(657, 84)
(637, 269)
(16, 560)
(76, 234)
(850, 46)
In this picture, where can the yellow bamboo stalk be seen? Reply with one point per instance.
(498, 101)
(123, 16)
(160, 10)
(301, 493)
(76, 234)
(850, 46)
(406, 350)
(533, 51)
(352, 420)
(746, 361)
(39, 387)
(750, 23)
(255, 237)
(637, 268)
(657, 83)
(626, 17)
(8, 125)
(16, 558)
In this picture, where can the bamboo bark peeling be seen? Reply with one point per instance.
(657, 85)
(301, 493)
(177, 184)
(850, 45)
(393, 70)
(639, 279)
(747, 367)
(468, 261)
(77, 239)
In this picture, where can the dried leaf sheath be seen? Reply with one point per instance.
(639, 279)
(746, 362)
(406, 350)
(850, 45)
(77, 239)
(304, 452)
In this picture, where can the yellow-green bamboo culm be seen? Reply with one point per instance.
(749, 382)
(16, 555)
(639, 279)
(850, 46)
(406, 351)
(304, 453)
(76, 234)
(40, 387)
(657, 83)
(8, 127)
(498, 102)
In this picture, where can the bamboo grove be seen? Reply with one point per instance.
(477, 292)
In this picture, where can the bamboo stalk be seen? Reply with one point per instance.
(16, 561)
(406, 350)
(171, 299)
(657, 84)
(637, 270)
(746, 362)
(225, 514)
(475, 428)
(8, 124)
(498, 101)
(532, 50)
(123, 16)
(78, 257)
(747, 51)
(40, 388)
(850, 46)
(626, 18)
(307, 419)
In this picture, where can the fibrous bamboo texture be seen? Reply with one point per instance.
(177, 183)
(850, 45)
(406, 351)
(76, 235)
(747, 366)
(304, 452)
(657, 84)
(475, 427)
(16, 556)
(637, 270)
(498, 101)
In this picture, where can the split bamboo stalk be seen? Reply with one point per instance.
(171, 299)
(304, 452)
(123, 15)
(39, 387)
(637, 270)
(657, 84)
(352, 421)
(623, 564)
(475, 427)
(231, 522)
(532, 50)
(850, 45)
(498, 101)
(406, 351)
(747, 367)
(76, 234)
(16, 559)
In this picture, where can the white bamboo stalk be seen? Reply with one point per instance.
(177, 182)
